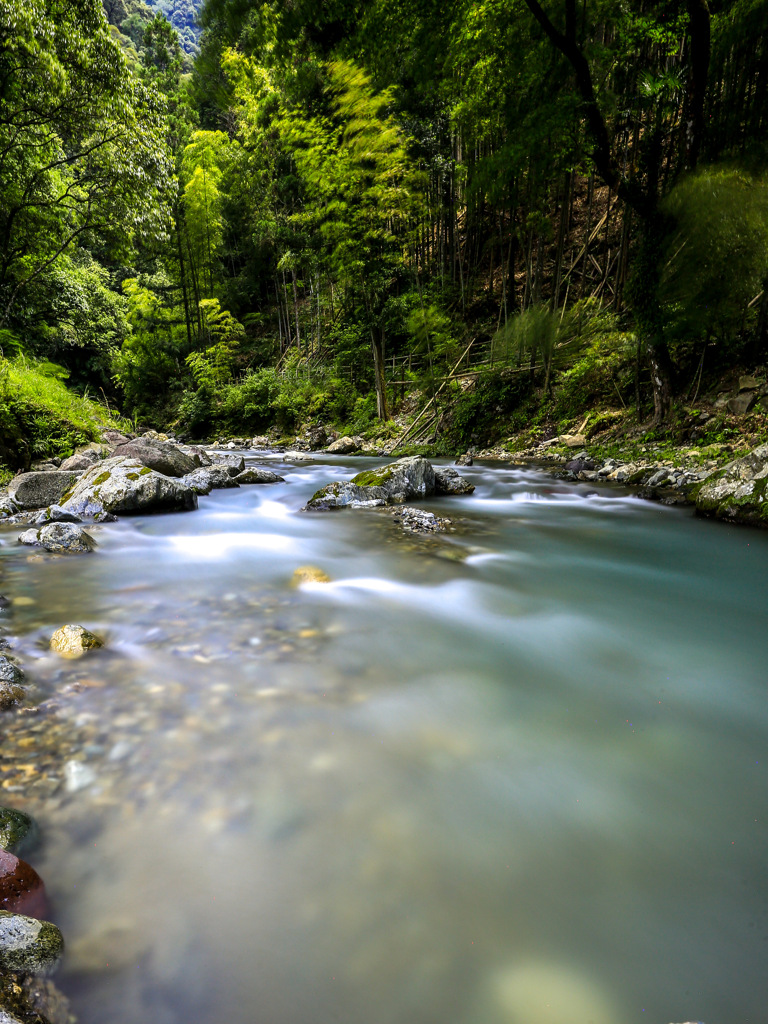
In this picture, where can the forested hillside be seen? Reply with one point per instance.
(339, 210)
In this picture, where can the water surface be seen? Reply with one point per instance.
(514, 775)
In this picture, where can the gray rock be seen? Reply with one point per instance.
(400, 481)
(234, 464)
(114, 437)
(208, 478)
(80, 461)
(257, 475)
(742, 403)
(660, 477)
(126, 485)
(7, 507)
(749, 383)
(18, 832)
(416, 520)
(292, 455)
(60, 539)
(56, 514)
(11, 683)
(464, 460)
(39, 490)
(28, 945)
(738, 492)
(198, 455)
(161, 456)
(448, 481)
(344, 446)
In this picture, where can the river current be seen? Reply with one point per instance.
(514, 774)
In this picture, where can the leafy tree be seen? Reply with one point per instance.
(81, 150)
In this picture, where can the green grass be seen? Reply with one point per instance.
(40, 417)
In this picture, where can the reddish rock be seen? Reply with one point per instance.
(21, 888)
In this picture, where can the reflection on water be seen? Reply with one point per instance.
(509, 776)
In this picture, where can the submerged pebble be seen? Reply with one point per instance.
(74, 641)
(21, 888)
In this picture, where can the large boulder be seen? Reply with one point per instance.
(39, 490)
(344, 446)
(161, 456)
(80, 461)
(60, 539)
(448, 481)
(208, 478)
(126, 485)
(738, 492)
(412, 477)
(27, 945)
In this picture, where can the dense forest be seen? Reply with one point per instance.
(267, 213)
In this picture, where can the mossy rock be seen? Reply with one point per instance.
(373, 477)
(18, 832)
(28, 945)
(74, 641)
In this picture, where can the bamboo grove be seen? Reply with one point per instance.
(353, 199)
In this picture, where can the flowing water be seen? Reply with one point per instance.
(510, 775)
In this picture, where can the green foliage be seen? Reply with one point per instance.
(485, 407)
(715, 259)
(224, 334)
(39, 416)
(602, 375)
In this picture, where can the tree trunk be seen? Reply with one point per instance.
(377, 347)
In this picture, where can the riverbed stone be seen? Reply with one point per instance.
(448, 481)
(12, 690)
(39, 490)
(21, 888)
(161, 456)
(234, 464)
(208, 478)
(60, 539)
(56, 514)
(416, 520)
(344, 446)
(73, 641)
(257, 475)
(126, 485)
(411, 477)
(738, 492)
(29, 945)
(81, 460)
(310, 574)
(18, 831)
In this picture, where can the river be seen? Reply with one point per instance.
(514, 774)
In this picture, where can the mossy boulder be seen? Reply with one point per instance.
(122, 485)
(28, 945)
(394, 484)
(18, 831)
(74, 641)
(738, 492)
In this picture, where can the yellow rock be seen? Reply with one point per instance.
(74, 641)
(23, 602)
(310, 574)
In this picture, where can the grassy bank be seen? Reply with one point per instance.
(40, 417)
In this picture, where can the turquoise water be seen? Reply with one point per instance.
(511, 776)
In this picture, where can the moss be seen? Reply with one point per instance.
(373, 477)
(144, 470)
(100, 479)
(132, 476)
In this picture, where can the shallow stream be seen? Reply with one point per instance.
(515, 774)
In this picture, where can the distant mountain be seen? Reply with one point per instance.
(130, 16)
